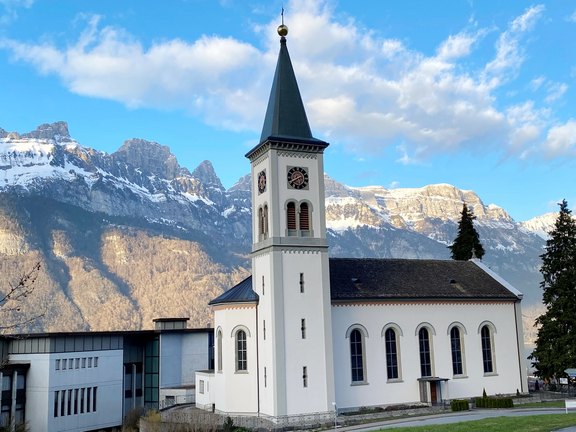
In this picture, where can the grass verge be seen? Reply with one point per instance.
(537, 423)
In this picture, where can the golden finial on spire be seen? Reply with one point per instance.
(282, 29)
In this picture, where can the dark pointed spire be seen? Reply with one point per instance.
(285, 115)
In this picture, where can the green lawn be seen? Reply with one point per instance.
(551, 404)
(538, 423)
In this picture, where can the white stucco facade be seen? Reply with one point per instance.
(75, 408)
(439, 317)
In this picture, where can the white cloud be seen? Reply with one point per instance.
(561, 139)
(364, 90)
(509, 53)
(9, 9)
(555, 91)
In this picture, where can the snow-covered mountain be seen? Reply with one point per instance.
(135, 231)
(540, 225)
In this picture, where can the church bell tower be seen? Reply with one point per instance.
(290, 255)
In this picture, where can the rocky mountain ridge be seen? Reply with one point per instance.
(134, 231)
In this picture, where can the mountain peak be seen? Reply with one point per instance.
(150, 157)
(57, 131)
(206, 174)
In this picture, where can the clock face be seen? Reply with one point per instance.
(297, 177)
(262, 182)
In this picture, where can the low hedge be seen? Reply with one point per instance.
(459, 405)
(494, 402)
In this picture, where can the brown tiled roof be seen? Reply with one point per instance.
(383, 279)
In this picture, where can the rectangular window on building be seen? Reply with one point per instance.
(78, 363)
(95, 391)
(82, 400)
(63, 403)
(305, 376)
(75, 401)
(88, 399)
(262, 285)
(64, 362)
(301, 282)
(89, 362)
(264, 329)
(303, 327)
(56, 394)
(95, 361)
(69, 403)
(57, 364)
(265, 377)
(201, 386)
(83, 362)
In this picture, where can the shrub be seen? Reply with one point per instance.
(494, 402)
(459, 405)
(229, 425)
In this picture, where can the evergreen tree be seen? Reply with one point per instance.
(556, 341)
(467, 243)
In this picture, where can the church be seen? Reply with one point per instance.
(308, 334)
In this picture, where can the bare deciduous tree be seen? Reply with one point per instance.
(12, 300)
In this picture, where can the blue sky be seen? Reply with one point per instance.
(478, 94)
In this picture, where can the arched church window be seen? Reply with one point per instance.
(260, 223)
(456, 347)
(487, 359)
(241, 351)
(391, 354)
(304, 217)
(265, 222)
(425, 355)
(356, 356)
(291, 218)
(219, 349)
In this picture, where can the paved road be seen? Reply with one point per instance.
(456, 418)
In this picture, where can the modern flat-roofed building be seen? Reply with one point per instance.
(88, 381)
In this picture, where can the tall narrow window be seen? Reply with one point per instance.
(487, 349)
(291, 218)
(88, 399)
(57, 364)
(241, 354)
(265, 378)
(303, 328)
(262, 285)
(69, 403)
(425, 358)
(260, 223)
(75, 401)
(391, 354)
(94, 392)
(305, 376)
(265, 222)
(219, 349)
(264, 329)
(456, 347)
(356, 356)
(56, 394)
(304, 217)
(63, 403)
(82, 400)
(301, 282)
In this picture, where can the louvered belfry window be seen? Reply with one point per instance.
(304, 217)
(291, 216)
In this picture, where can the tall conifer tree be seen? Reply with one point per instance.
(556, 342)
(467, 243)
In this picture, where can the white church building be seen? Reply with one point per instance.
(307, 333)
